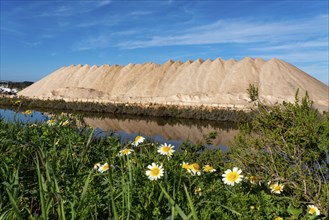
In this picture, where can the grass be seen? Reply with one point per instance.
(48, 171)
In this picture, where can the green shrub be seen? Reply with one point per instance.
(288, 143)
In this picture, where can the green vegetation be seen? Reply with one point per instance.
(60, 170)
(20, 85)
(157, 110)
(253, 92)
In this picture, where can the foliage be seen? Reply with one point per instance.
(253, 92)
(47, 171)
(288, 143)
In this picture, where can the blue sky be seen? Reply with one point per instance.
(38, 37)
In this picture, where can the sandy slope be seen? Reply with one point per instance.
(216, 82)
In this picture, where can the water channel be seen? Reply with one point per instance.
(162, 130)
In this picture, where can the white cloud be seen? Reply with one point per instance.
(238, 31)
(31, 44)
(103, 3)
(316, 43)
(99, 42)
(103, 40)
(72, 8)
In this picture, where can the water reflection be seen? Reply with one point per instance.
(169, 130)
(165, 129)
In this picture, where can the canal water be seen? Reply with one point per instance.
(162, 130)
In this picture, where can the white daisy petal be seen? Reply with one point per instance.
(155, 171)
(230, 177)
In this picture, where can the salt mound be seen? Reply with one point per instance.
(211, 82)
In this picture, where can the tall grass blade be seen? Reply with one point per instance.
(173, 203)
(194, 214)
(114, 209)
(61, 211)
(41, 193)
(14, 205)
(88, 144)
(84, 191)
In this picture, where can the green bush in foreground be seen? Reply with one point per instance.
(288, 144)
(60, 170)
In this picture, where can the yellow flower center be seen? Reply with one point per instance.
(126, 151)
(138, 138)
(232, 177)
(166, 149)
(312, 210)
(155, 171)
(277, 188)
(195, 167)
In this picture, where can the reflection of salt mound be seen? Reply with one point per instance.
(216, 82)
(150, 128)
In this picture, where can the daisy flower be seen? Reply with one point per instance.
(312, 209)
(104, 168)
(276, 188)
(194, 169)
(154, 171)
(125, 151)
(138, 140)
(208, 169)
(185, 166)
(166, 149)
(230, 177)
(51, 122)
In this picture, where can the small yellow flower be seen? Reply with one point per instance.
(185, 166)
(125, 151)
(17, 102)
(194, 169)
(104, 168)
(51, 122)
(312, 209)
(208, 169)
(166, 149)
(138, 140)
(276, 188)
(65, 123)
(28, 112)
(230, 177)
(154, 171)
(198, 191)
(278, 218)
